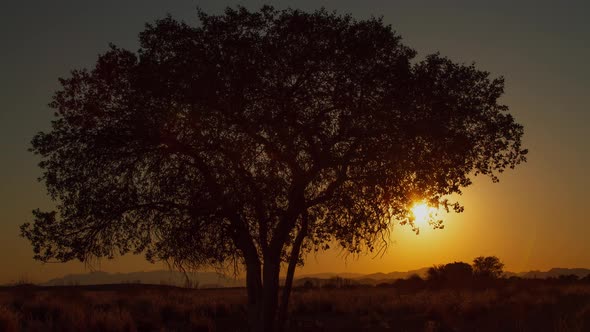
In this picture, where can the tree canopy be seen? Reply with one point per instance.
(489, 267)
(451, 274)
(256, 136)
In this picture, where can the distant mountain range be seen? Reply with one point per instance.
(553, 273)
(374, 276)
(162, 277)
(214, 280)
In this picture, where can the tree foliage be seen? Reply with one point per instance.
(489, 267)
(257, 136)
(451, 274)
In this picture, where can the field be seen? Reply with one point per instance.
(512, 306)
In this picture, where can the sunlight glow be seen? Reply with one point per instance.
(423, 213)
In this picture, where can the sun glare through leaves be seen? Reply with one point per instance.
(422, 213)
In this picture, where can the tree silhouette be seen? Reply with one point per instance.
(256, 137)
(435, 273)
(489, 267)
(456, 274)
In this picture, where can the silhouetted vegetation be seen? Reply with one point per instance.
(256, 137)
(514, 304)
(452, 297)
(457, 274)
(488, 267)
(484, 272)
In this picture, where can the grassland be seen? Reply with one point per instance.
(511, 306)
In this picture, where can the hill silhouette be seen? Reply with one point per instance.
(217, 280)
(555, 272)
(164, 277)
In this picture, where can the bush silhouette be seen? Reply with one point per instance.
(489, 267)
(456, 274)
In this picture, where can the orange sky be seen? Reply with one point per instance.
(535, 218)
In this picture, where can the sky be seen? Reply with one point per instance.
(536, 218)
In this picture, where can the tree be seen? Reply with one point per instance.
(434, 274)
(458, 274)
(257, 137)
(489, 267)
(452, 274)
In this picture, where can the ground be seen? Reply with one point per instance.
(511, 306)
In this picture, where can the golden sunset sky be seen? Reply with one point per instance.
(536, 218)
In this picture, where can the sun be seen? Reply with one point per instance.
(422, 213)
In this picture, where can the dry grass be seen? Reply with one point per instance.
(9, 320)
(540, 308)
(518, 307)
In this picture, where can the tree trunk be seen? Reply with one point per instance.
(254, 288)
(253, 281)
(293, 259)
(270, 294)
